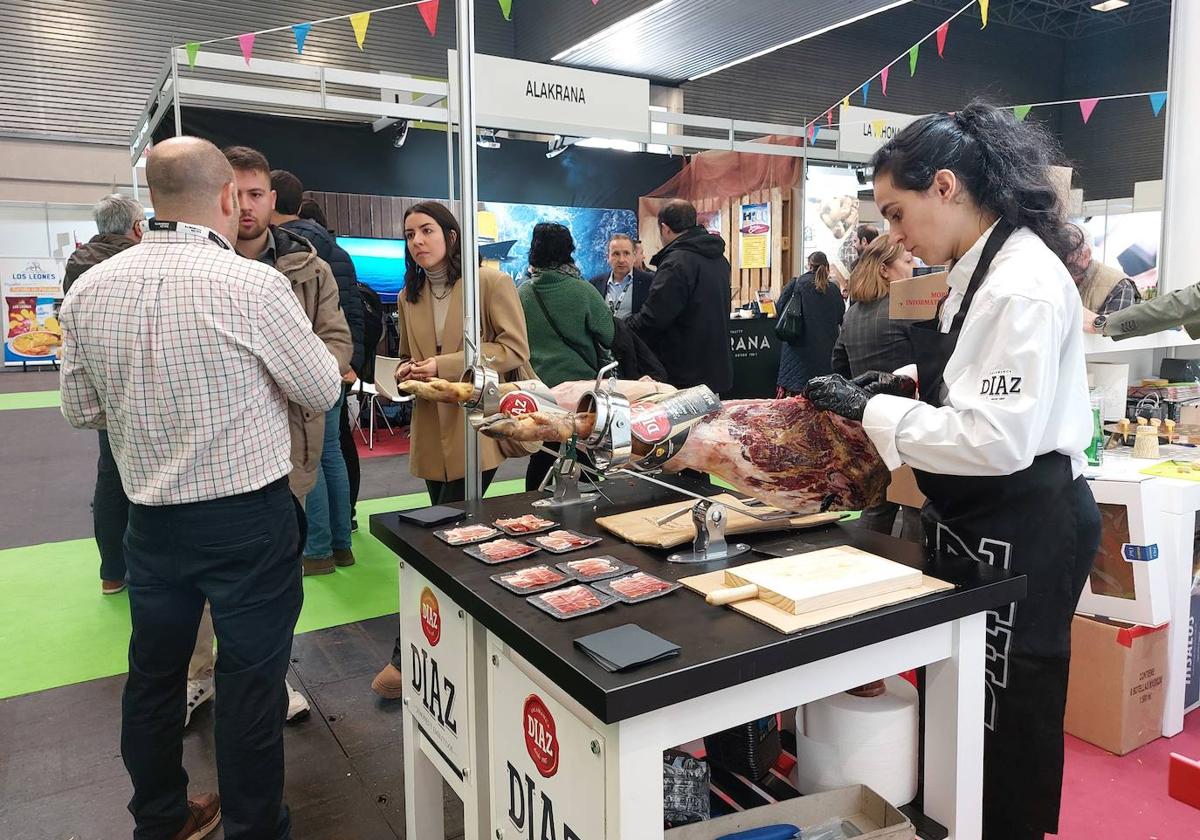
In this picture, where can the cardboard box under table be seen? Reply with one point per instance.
(545, 735)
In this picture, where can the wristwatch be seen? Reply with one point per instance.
(1099, 324)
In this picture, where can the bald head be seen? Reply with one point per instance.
(191, 181)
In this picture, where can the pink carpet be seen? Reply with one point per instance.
(386, 443)
(1111, 798)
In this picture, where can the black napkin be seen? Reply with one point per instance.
(431, 517)
(625, 647)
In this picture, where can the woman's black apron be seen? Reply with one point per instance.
(1044, 524)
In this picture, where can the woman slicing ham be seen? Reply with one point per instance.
(996, 438)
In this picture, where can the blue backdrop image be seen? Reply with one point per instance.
(380, 262)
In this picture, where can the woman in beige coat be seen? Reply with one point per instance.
(431, 344)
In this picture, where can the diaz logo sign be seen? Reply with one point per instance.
(431, 617)
(650, 422)
(516, 404)
(541, 737)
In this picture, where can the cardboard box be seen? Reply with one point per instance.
(870, 813)
(904, 490)
(917, 299)
(1116, 695)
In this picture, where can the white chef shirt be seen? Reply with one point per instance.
(1017, 381)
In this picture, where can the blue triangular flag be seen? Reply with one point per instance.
(1157, 100)
(816, 129)
(300, 30)
(865, 90)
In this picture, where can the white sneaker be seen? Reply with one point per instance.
(297, 704)
(198, 693)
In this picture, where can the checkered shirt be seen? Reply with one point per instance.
(188, 354)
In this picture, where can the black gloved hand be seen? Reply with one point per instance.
(837, 394)
(877, 382)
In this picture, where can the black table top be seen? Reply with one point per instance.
(719, 647)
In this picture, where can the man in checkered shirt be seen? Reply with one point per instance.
(188, 354)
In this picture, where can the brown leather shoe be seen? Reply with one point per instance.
(343, 557)
(318, 566)
(389, 683)
(112, 587)
(204, 814)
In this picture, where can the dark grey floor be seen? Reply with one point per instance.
(13, 381)
(61, 776)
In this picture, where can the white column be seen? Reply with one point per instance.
(1181, 172)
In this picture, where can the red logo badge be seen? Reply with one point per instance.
(650, 423)
(541, 738)
(517, 403)
(431, 617)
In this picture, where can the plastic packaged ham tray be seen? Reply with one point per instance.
(637, 587)
(544, 525)
(466, 534)
(495, 551)
(563, 541)
(539, 579)
(588, 569)
(572, 602)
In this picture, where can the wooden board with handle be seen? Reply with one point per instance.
(817, 580)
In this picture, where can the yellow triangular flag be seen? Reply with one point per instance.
(877, 128)
(359, 21)
(983, 6)
(846, 102)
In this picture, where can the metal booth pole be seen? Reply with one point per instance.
(469, 198)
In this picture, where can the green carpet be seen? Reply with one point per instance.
(57, 629)
(29, 399)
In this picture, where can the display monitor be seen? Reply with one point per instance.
(379, 263)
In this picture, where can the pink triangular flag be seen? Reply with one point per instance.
(594, 2)
(829, 117)
(941, 37)
(883, 74)
(1086, 106)
(429, 12)
(246, 42)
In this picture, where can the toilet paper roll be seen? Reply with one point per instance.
(846, 740)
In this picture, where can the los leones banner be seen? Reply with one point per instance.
(33, 294)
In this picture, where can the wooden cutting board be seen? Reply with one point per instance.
(821, 579)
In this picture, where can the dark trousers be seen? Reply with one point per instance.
(442, 493)
(242, 554)
(540, 463)
(349, 454)
(110, 514)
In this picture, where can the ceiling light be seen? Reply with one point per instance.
(401, 134)
(487, 139)
(555, 147)
(1109, 5)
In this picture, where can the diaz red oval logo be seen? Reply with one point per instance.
(541, 737)
(516, 404)
(650, 422)
(431, 617)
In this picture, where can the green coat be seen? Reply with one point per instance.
(582, 317)
(1176, 309)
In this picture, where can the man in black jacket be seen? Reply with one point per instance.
(685, 318)
(626, 286)
(289, 192)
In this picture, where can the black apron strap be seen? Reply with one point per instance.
(995, 242)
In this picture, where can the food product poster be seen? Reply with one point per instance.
(33, 294)
(710, 220)
(1128, 242)
(754, 228)
(548, 766)
(831, 215)
(433, 635)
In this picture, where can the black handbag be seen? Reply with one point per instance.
(789, 326)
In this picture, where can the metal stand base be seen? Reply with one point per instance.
(566, 475)
(709, 518)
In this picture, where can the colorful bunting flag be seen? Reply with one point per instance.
(360, 21)
(1021, 111)
(815, 130)
(883, 77)
(1157, 100)
(300, 31)
(246, 42)
(941, 37)
(506, 9)
(1086, 106)
(912, 59)
(877, 127)
(829, 117)
(866, 88)
(429, 13)
(193, 47)
(983, 10)
(846, 102)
